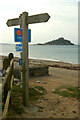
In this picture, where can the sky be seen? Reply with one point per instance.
(63, 20)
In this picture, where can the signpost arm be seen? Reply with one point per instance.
(25, 70)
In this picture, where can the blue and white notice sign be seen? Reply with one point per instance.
(18, 34)
(20, 61)
(19, 47)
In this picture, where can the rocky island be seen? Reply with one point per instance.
(60, 41)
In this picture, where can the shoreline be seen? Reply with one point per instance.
(58, 64)
(52, 60)
(49, 63)
(42, 59)
(47, 59)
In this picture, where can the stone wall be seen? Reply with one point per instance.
(38, 70)
(35, 70)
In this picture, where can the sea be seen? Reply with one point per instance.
(64, 53)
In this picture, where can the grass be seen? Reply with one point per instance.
(34, 94)
(68, 91)
(16, 106)
(41, 89)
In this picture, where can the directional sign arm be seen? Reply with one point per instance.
(13, 22)
(38, 18)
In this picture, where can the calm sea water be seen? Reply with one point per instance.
(65, 53)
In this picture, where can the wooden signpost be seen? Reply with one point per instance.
(23, 21)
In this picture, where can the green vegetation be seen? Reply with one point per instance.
(34, 94)
(41, 89)
(16, 106)
(68, 91)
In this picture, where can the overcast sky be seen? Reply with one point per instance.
(63, 21)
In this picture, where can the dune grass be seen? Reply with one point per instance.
(68, 91)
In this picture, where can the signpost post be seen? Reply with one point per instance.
(25, 69)
(23, 21)
(21, 85)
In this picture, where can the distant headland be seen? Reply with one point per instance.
(60, 41)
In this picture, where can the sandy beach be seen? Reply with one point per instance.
(58, 77)
(54, 105)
